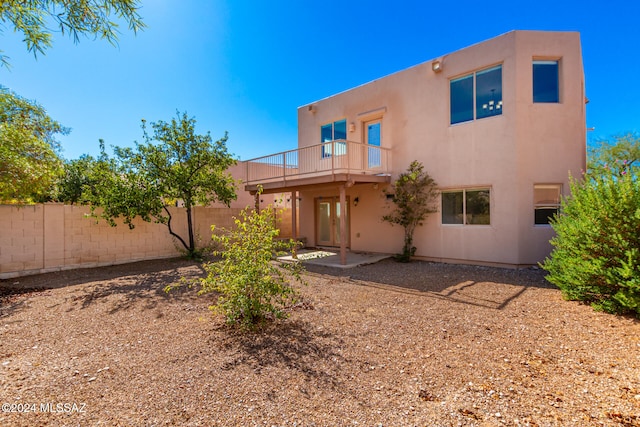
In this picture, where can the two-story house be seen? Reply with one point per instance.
(499, 125)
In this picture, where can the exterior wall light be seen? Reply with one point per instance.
(436, 66)
(356, 201)
(352, 127)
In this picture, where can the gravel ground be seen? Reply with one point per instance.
(389, 344)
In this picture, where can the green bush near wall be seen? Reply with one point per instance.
(596, 255)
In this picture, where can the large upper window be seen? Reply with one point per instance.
(545, 81)
(466, 207)
(331, 132)
(546, 201)
(477, 95)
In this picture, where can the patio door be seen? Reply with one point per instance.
(373, 136)
(328, 221)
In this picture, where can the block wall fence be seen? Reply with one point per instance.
(52, 237)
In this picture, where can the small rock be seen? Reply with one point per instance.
(92, 379)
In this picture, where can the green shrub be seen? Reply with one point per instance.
(596, 256)
(253, 287)
(414, 194)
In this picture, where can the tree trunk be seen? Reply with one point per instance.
(173, 233)
(192, 244)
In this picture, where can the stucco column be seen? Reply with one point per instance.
(294, 216)
(343, 225)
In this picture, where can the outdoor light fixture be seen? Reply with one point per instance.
(312, 108)
(356, 201)
(436, 66)
(352, 127)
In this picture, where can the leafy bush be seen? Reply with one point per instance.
(252, 287)
(596, 256)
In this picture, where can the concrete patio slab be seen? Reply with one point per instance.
(332, 259)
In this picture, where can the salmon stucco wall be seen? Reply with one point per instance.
(527, 144)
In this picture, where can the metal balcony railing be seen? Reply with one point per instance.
(328, 158)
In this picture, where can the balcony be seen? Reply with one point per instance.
(334, 161)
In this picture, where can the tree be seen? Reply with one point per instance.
(596, 255)
(414, 194)
(618, 157)
(76, 179)
(29, 160)
(252, 288)
(143, 182)
(75, 17)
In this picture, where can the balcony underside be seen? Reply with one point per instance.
(310, 182)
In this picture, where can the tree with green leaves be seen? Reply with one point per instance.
(414, 194)
(252, 289)
(76, 178)
(29, 160)
(617, 157)
(173, 164)
(596, 255)
(34, 18)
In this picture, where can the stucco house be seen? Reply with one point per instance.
(499, 125)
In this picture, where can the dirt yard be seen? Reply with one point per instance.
(389, 344)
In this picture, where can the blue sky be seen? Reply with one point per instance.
(245, 66)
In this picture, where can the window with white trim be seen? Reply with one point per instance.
(546, 202)
(466, 207)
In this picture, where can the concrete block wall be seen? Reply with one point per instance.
(21, 238)
(52, 237)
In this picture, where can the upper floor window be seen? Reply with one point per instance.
(331, 132)
(476, 95)
(546, 81)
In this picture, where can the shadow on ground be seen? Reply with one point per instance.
(295, 345)
(123, 285)
(145, 281)
(123, 293)
(477, 285)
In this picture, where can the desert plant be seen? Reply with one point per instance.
(252, 287)
(596, 255)
(413, 194)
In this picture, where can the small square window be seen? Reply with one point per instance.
(332, 132)
(546, 201)
(546, 87)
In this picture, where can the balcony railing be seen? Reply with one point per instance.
(328, 158)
